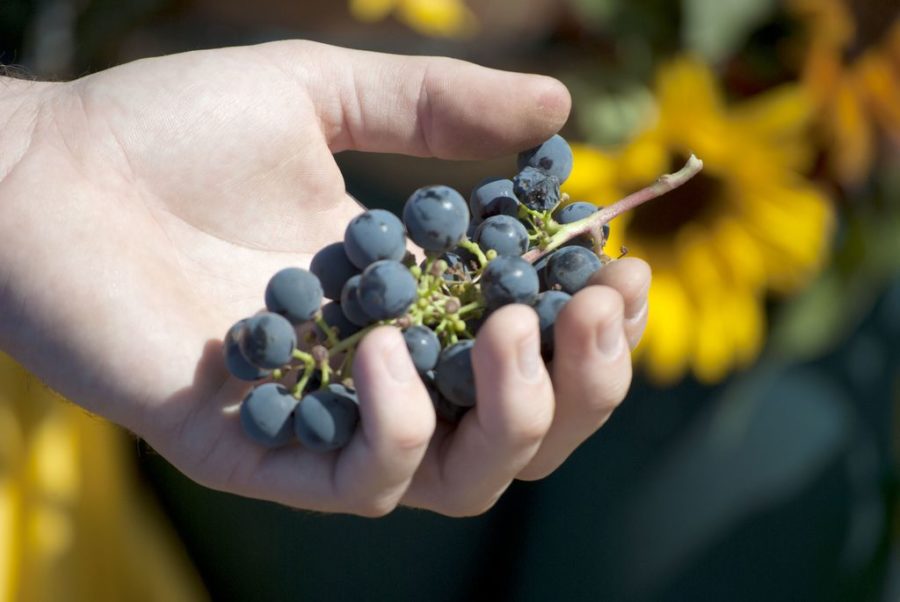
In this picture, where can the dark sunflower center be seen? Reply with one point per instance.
(690, 202)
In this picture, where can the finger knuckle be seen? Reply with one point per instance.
(413, 434)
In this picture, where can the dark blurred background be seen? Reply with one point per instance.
(755, 457)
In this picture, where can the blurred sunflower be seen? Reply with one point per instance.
(76, 523)
(746, 225)
(439, 18)
(852, 70)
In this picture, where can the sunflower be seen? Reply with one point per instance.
(439, 18)
(852, 71)
(747, 225)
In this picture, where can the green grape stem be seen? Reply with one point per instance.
(327, 329)
(664, 184)
(473, 248)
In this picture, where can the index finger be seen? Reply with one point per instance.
(425, 106)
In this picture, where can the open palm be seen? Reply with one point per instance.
(155, 200)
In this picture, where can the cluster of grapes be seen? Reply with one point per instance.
(515, 241)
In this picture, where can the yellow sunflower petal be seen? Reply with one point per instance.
(792, 224)
(444, 18)
(740, 254)
(593, 177)
(779, 119)
(669, 334)
(713, 352)
(686, 87)
(642, 161)
(747, 322)
(371, 10)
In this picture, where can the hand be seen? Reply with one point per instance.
(150, 203)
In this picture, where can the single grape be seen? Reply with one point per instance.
(574, 212)
(553, 157)
(502, 233)
(436, 218)
(424, 347)
(326, 419)
(386, 290)
(548, 306)
(350, 304)
(266, 415)
(374, 235)
(455, 378)
(333, 268)
(577, 211)
(536, 190)
(509, 279)
(333, 315)
(570, 268)
(444, 409)
(294, 293)
(235, 361)
(493, 196)
(268, 340)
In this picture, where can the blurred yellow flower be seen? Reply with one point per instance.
(746, 225)
(438, 18)
(854, 79)
(75, 522)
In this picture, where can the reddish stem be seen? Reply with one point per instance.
(664, 184)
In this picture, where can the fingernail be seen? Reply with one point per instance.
(529, 356)
(611, 337)
(397, 362)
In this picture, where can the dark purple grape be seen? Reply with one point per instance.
(266, 415)
(444, 409)
(570, 268)
(295, 294)
(235, 361)
(548, 306)
(575, 212)
(333, 269)
(374, 235)
(268, 340)
(424, 347)
(536, 190)
(502, 233)
(455, 378)
(326, 418)
(386, 290)
(509, 279)
(553, 157)
(333, 315)
(350, 304)
(493, 196)
(436, 218)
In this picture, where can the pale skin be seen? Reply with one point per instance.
(144, 208)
